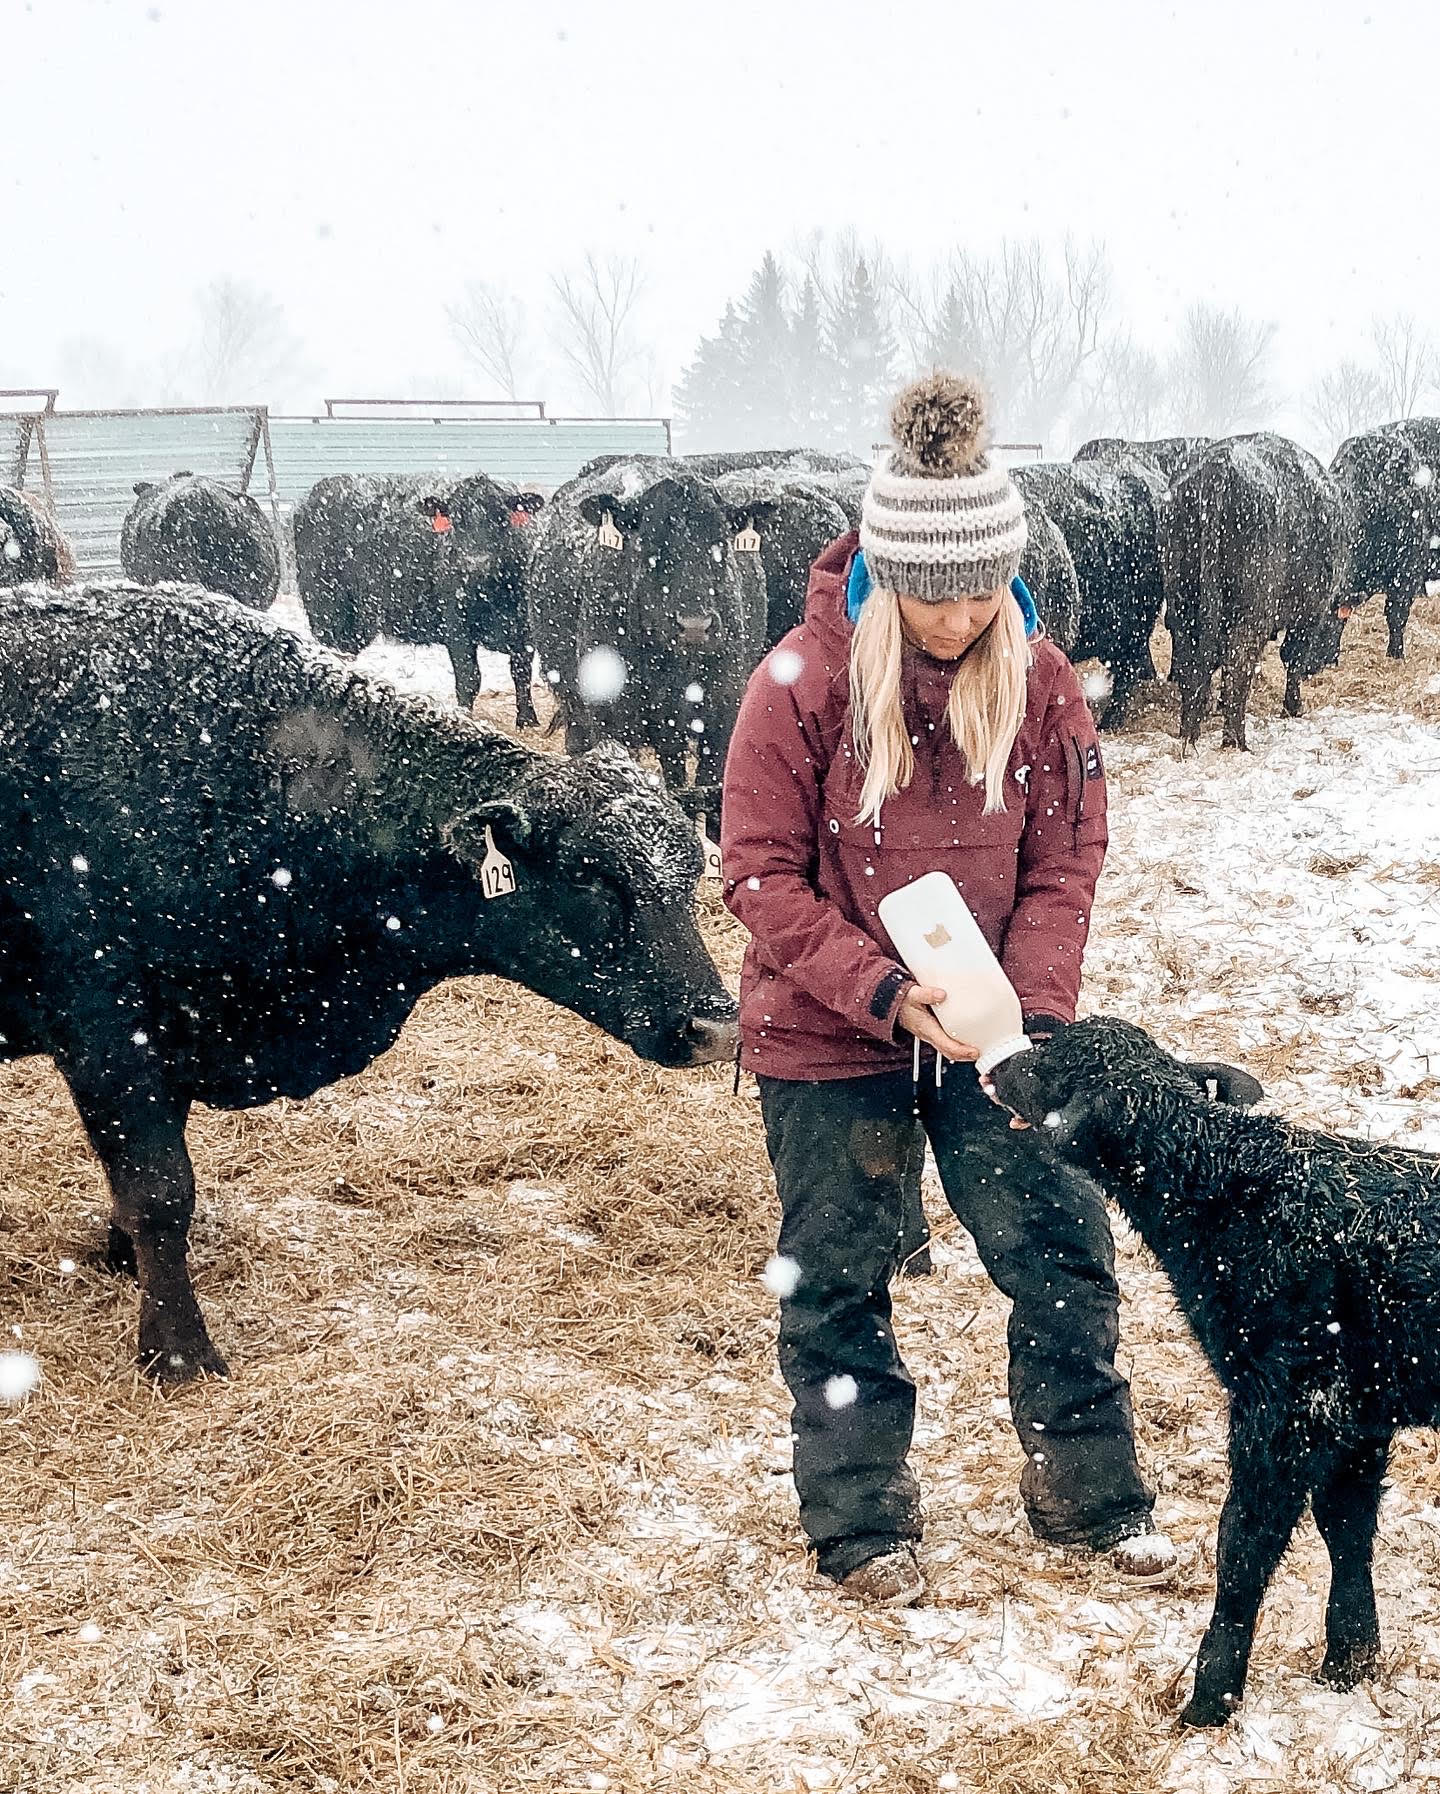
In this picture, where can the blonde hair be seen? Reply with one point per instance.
(986, 707)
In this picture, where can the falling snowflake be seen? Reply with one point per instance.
(281, 878)
(19, 1375)
(1097, 685)
(781, 1276)
(601, 676)
(140, 1037)
(785, 666)
(80, 864)
(1423, 477)
(840, 1392)
(89, 1633)
(694, 693)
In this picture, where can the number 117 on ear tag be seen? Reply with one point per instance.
(497, 875)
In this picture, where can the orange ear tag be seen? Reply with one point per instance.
(518, 519)
(441, 524)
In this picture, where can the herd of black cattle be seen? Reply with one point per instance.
(230, 865)
(691, 568)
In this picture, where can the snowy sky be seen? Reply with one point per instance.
(362, 160)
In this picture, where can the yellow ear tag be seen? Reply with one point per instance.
(608, 536)
(748, 541)
(497, 875)
(709, 849)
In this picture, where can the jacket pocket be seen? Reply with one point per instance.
(1085, 789)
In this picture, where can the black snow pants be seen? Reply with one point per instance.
(845, 1152)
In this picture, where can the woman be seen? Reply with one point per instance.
(919, 721)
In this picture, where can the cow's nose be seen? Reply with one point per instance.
(711, 1041)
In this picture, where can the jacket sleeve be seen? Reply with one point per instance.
(770, 852)
(1061, 851)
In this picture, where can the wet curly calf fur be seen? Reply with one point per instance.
(1308, 1268)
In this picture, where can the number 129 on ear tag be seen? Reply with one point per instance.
(710, 850)
(497, 875)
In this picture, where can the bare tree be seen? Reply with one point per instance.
(1406, 363)
(1029, 328)
(595, 327)
(1222, 371)
(1127, 394)
(1350, 398)
(242, 349)
(487, 323)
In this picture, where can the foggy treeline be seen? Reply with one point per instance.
(812, 348)
(807, 352)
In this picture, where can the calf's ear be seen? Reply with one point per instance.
(509, 825)
(1233, 1087)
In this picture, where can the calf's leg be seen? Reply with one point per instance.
(1266, 1499)
(141, 1144)
(1346, 1508)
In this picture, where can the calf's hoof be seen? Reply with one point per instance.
(1208, 1710)
(1395, 653)
(182, 1362)
(1348, 1668)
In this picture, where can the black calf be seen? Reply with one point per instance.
(1308, 1267)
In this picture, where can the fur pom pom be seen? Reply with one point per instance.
(939, 424)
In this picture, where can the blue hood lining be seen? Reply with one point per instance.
(859, 586)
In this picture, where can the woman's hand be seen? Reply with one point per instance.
(917, 1016)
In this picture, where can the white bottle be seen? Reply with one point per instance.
(940, 941)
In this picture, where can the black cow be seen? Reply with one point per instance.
(421, 559)
(32, 544)
(803, 520)
(232, 877)
(646, 561)
(1165, 454)
(1391, 481)
(1308, 1268)
(1046, 567)
(1109, 517)
(195, 531)
(1254, 544)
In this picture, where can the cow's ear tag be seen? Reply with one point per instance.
(607, 535)
(519, 518)
(709, 849)
(441, 524)
(497, 875)
(748, 541)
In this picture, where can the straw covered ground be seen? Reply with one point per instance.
(497, 1497)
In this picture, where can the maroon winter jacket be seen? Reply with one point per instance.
(822, 983)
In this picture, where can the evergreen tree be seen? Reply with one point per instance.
(711, 396)
(811, 372)
(766, 349)
(864, 350)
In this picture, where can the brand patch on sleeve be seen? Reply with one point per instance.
(1093, 768)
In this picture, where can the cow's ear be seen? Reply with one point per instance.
(508, 823)
(143, 488)
(595, 507)
(761, 512)
(530, 501)
(1232, 1086)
